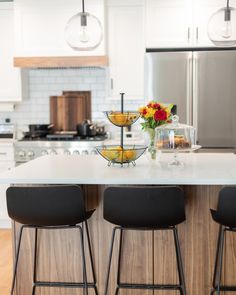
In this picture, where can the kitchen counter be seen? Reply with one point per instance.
(148, 257)
(198, 169)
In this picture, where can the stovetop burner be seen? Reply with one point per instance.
(57, 137)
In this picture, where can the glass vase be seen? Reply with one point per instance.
(151, 147)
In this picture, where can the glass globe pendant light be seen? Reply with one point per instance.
(83, 31)
(222, 27)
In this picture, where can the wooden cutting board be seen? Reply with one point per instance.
(69, 109)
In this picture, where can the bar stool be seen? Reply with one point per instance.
(145, 208)
(48, 208)
(225, 215)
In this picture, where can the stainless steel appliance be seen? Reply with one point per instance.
(202, 83)
(30, 148)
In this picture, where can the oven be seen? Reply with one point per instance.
(26, 150)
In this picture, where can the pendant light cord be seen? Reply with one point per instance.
(227, 3)
(83, 5)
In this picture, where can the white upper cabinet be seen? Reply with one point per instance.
(179, 23)
(167, 23)
(10, 77)
(126, 47)
(40, 25)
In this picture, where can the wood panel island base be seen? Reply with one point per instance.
(148, 257)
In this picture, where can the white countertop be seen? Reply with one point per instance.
(199, 169)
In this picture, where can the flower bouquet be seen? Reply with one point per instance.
(154, 114)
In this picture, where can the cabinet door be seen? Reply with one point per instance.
(40, 26)
(202, 11)
(126, 48)
(167, 23)
(4, 219)
(10, 77)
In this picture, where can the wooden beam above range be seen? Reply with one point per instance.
(61, 61)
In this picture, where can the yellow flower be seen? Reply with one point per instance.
(150, 113)
(167, 110)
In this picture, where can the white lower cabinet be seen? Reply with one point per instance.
(6, 162)
(4, 219)
(126, 48)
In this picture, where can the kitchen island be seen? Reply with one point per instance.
(148, 257)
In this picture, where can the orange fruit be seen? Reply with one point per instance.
(119, 118)
(112, 153)
(130, 155)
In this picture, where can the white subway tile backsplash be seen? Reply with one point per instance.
(44, 83)
(97, 86)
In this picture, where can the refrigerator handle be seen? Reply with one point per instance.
(189, 34)
(189, 88)
(197, 34)
(195, 90)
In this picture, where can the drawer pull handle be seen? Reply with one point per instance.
(3, 154)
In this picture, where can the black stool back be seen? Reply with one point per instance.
(50, 207)
(46, 205)
(144, 206)
(226, 208)
(225, 215)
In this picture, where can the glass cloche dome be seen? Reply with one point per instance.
(175, 135)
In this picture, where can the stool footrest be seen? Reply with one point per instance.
(149, 286)
(63, 284)
(227, 288)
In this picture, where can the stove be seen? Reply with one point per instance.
(30, 148)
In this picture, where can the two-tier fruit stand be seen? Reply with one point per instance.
(122, 153)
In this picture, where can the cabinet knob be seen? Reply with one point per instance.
(67, 152)
(76, 152)
(112, 84)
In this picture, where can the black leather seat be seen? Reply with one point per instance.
(50, 207)
(145, 208)
(225, 215)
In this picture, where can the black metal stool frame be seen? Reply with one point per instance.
(181, 287)
(85, 285)
(217, 287)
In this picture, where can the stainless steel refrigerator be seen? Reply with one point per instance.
(203, 86)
